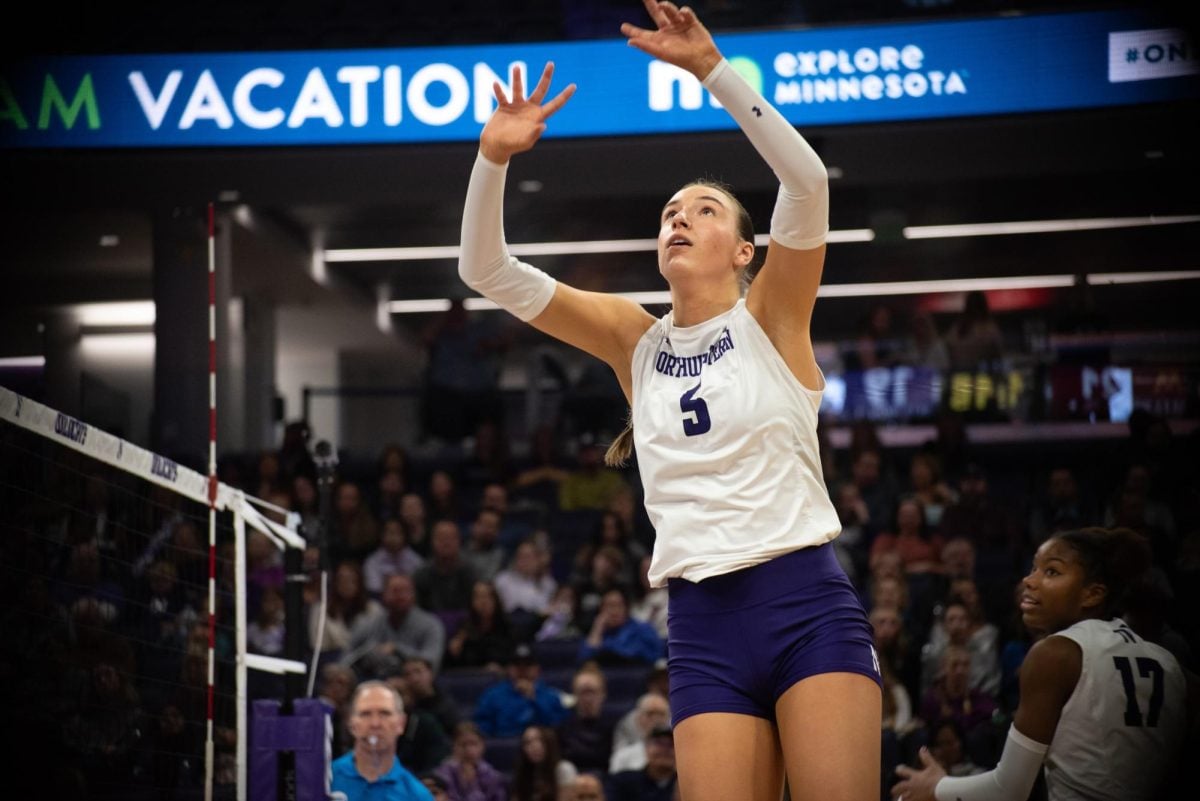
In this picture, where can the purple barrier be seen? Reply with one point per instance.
(307, 732)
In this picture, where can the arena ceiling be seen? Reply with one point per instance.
(1133, 161)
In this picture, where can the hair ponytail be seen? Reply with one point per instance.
(621, 448)
(1114, 557)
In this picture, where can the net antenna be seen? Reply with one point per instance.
(326, 461)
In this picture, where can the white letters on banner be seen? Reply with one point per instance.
(265, 98)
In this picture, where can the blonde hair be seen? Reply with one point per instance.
(621, 448)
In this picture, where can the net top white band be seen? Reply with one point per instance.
(112, 450)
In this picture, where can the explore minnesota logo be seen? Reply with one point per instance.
(1146, 55)
(818, 76)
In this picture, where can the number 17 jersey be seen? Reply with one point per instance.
(1124, 725)
(726, 440)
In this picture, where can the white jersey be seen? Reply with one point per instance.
(1125, 722)
(727, 448)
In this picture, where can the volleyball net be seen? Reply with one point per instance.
(110, 660)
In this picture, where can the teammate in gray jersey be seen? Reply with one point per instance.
(1102, 711)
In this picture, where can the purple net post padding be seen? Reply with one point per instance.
(308, 731)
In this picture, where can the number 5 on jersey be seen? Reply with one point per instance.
(695, 413)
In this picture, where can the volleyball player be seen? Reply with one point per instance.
(1102, 711)
(771, 660)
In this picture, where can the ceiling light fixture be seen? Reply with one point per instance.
(863, 290)
(1041, 226)
(418, 306)
(22, 361)
(435, 252)
(134, 312)
(131, 344)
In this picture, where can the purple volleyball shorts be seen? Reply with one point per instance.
(739, 641)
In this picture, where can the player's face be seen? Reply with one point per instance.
(1056, 593)
(698, 236)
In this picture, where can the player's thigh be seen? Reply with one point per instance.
(722, 756)
(829, 731)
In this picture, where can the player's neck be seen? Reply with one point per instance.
(1082, 618)
(689, 309)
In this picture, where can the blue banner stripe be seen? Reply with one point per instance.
(815, 77)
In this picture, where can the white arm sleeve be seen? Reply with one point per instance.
(1011, 780)
(801, 217)
(484, 263)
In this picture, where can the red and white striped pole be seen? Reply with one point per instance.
(212, 500)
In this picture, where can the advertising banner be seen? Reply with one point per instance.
(826, 76)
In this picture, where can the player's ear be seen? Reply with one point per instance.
(744, 255)
(1094, 595)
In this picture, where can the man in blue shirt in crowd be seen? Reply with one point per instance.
(505, 709)
(372, 772)
(616, 638)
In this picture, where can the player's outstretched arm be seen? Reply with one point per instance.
(605, 326)
(785, 289)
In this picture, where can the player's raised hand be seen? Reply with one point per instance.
(678, 38)
(519, 121)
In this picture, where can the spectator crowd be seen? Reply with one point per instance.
(505, 600)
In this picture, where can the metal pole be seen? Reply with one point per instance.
(239, 606)
(326, 461)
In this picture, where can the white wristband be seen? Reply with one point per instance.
(801, 216)
(484, 263)
(1012, 778)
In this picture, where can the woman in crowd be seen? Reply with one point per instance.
(927, 486)
(962, 623)
(952, 696)
(541, 774)
(920, 551)
(526, 588)
(484, 640)
(468, 776)
(346, 604)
